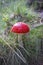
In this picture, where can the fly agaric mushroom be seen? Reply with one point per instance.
(20, 28)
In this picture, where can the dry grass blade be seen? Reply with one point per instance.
(20, 53)
(13, 50)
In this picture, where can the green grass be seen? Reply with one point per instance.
(38, 32)
(35, 34)
(20, 7)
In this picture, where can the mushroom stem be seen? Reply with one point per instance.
(20, 39)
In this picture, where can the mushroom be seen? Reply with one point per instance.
(20, 28)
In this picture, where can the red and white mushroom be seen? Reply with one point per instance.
(20, 28)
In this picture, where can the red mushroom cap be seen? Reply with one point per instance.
(20, 27)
